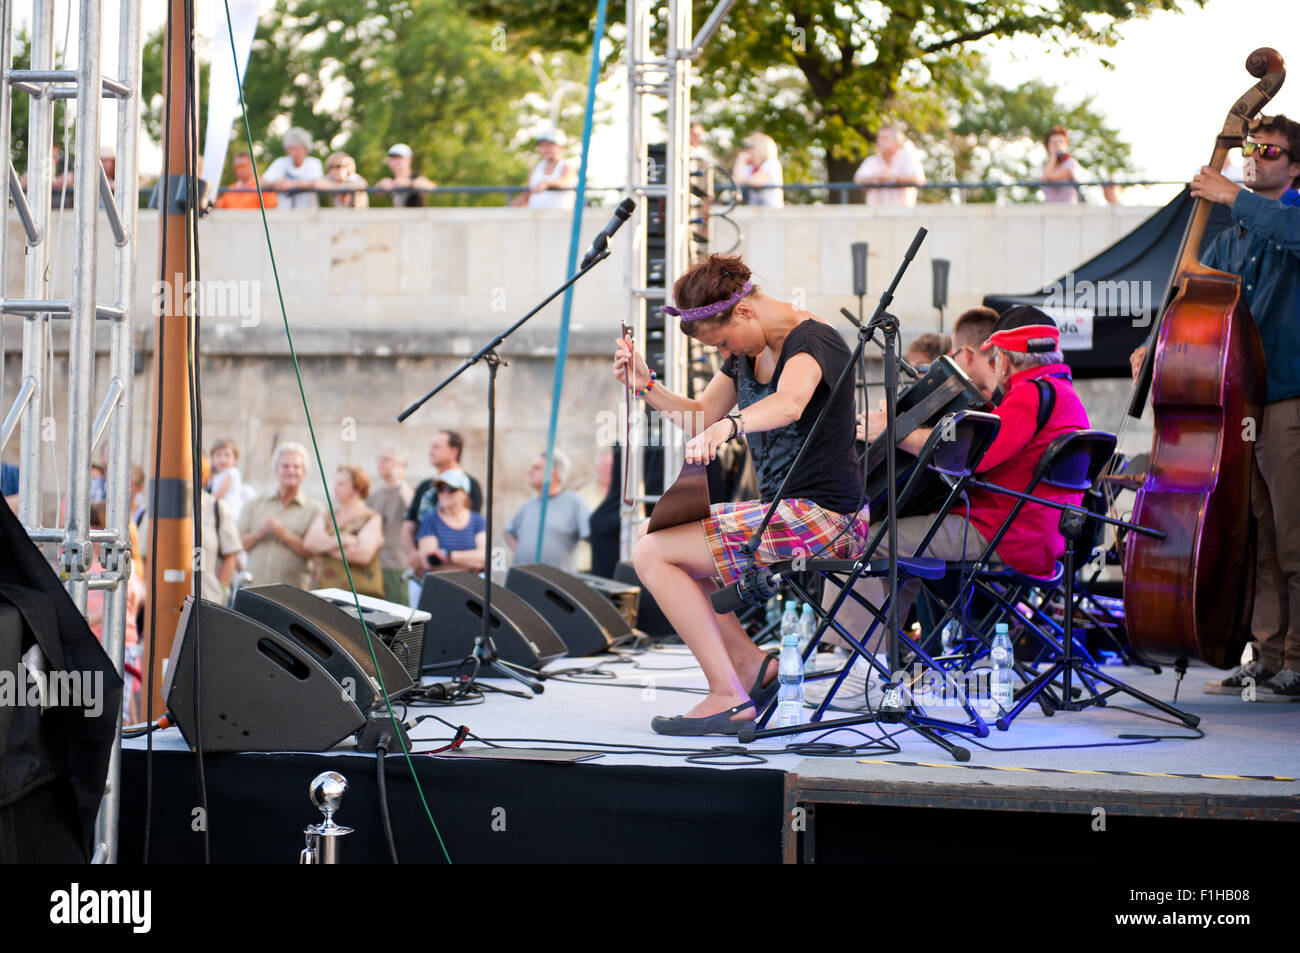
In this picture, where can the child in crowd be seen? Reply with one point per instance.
(226, 482)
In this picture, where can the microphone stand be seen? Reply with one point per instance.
(893, 710)
(485, 650)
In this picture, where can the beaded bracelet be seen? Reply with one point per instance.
(649, 386)
(737, 425)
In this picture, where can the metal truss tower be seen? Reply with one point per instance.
(87, 426)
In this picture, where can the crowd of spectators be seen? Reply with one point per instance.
(392, 533)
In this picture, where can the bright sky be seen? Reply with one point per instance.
(1174, 77)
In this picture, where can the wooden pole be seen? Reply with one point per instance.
(172, 565)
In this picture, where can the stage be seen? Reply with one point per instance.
(648, 803)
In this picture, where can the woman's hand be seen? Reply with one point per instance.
(624, 353)
(704, 447)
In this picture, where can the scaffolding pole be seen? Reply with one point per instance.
(86, 425)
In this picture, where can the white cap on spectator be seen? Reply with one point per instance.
(401, 149)
(556, 136)
(106, 152)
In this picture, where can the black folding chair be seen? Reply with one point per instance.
(952, 453)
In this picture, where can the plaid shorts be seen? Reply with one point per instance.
(799, 528)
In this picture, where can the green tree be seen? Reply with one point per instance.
(20, 105)
(998, 136)
(821, 76)
(360, 75)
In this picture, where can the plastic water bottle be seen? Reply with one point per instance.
(807, 624)
(790, 621)
(773, 612)
(789, 697)
(949, 637)
(1001, 678)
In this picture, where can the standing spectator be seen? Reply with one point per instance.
(757, 166)
(361, 531)
(246, 183)
(139, 503)
(391, 501)
(606, 522)
(893, 163)
(98, 484)
(272, 525)
(567, 518)
(136, 593)
(345, 187)
(552, 180)
(1060, 167)
(403, 183)
(444, 453)
(451, 535)
(297, 170)
(227, 485)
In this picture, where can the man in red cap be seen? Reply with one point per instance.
(1039, 405)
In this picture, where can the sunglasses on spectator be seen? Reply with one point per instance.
(446, 489)
(1265, 150)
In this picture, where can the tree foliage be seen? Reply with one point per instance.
(20, 105)
(360, 75)
(821, 76)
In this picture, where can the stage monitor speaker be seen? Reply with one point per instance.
(650, 619)
(334, 638)
(259, 690)
(586, 621)
(455, 600)
(859, 253)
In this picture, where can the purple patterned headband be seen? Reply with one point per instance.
(709, 310)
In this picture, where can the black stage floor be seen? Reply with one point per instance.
(1072, 787)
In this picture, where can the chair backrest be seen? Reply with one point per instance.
(1074, 461)
(959, 441)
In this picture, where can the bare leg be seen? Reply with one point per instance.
(671, 563)
(744, 654)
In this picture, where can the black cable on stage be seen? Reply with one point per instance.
(192, 318)
(691, 755)
(382, 776)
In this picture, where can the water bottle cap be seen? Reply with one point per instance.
(790, 638)
(1000, 628)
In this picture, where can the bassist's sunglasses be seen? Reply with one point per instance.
(1265, 150)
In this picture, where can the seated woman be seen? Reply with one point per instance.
(361, 531)
(780, 365)
(453, 536)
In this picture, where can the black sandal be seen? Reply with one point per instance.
(719, 724)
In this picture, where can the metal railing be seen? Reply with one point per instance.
(820, 193)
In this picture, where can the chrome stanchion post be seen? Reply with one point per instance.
(326, 792)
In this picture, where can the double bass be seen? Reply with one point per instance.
(1191, 593)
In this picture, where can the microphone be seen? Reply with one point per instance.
(601, 241)
(753, 588)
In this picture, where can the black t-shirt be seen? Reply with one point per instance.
(829, 473)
